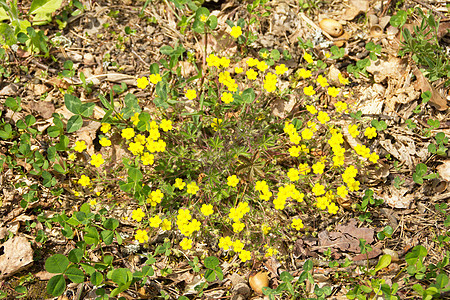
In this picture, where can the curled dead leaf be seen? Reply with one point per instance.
(258, 281)
(332, 27)
(422, 83)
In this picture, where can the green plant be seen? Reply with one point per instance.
(20, 29)
(423, 44)
(419, 174)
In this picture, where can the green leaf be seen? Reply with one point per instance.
(211, 262)
(72, 103)
(384, 261)
(416, 255)
(96, 278)
(111, 223)
(87, 109)
(63, 143)
(121, 276)
(43, 9)
(92, 236)
(56, 285)
(13, 103)
(134, 174)
(248, 95)
(286, 276)
(56, 263)
(75, 274)
(210, 275)
(75, 255)
(74, 123)
(308, 265)
(107, 236)
(421, 169)
(399, 19)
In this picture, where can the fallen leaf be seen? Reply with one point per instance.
(422, 83)
(17, 255)
(356, 7)
(444, 170)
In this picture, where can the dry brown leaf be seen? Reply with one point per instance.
(44, 108)
(444, 170)
(356, 7)
(394, 67)
(398, 198)
(17, 255)
(422, 83)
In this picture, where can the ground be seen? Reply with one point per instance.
(217, 158)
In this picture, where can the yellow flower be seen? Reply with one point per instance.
(191, 94)
(232, 180)
(186, 244)
(238, 70)
(105, 142)
(238, 246)
(166, 225)
(251, 62)
(293, 174)
(245, 255)
(251, 74)
(281, 69)
(341, 191)
(297, 224)
(340, 106)
(311, 109)
(147, 159)
(92, 202)
(135, 119)
(333, 91)
(155, 78)
(227, 97)
(318, 167)
(155, 221)
(207, 209)
(309, 90)
(72, 156)
(225, 243)
(353, 130)
(333, 208)
(323, 117)
(322, 81)
(80, 146)
(137, 215)
(266, 229)
(105, 127)
(179, 184)
(203, 18)
(142, 82)
(136, 148)
(370, 132)
(97, 160)
(307, 134)
(308, 58)
(166, 125)
(141, 236)
(343, 80)
(374, 157)
(128, 133)
(304, 73)
(216, 123)
(238, 226)
(318, 189)
(262, 66)
(192, 188)
(236, 32)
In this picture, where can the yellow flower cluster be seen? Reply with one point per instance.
(284, 192)
(270, 82)
(236, 214)
(218, 62)
(263, 188)
(226, 243)
(226, 80)
(155, 197)
(186, 224)
(335, 142)
(349, 178)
